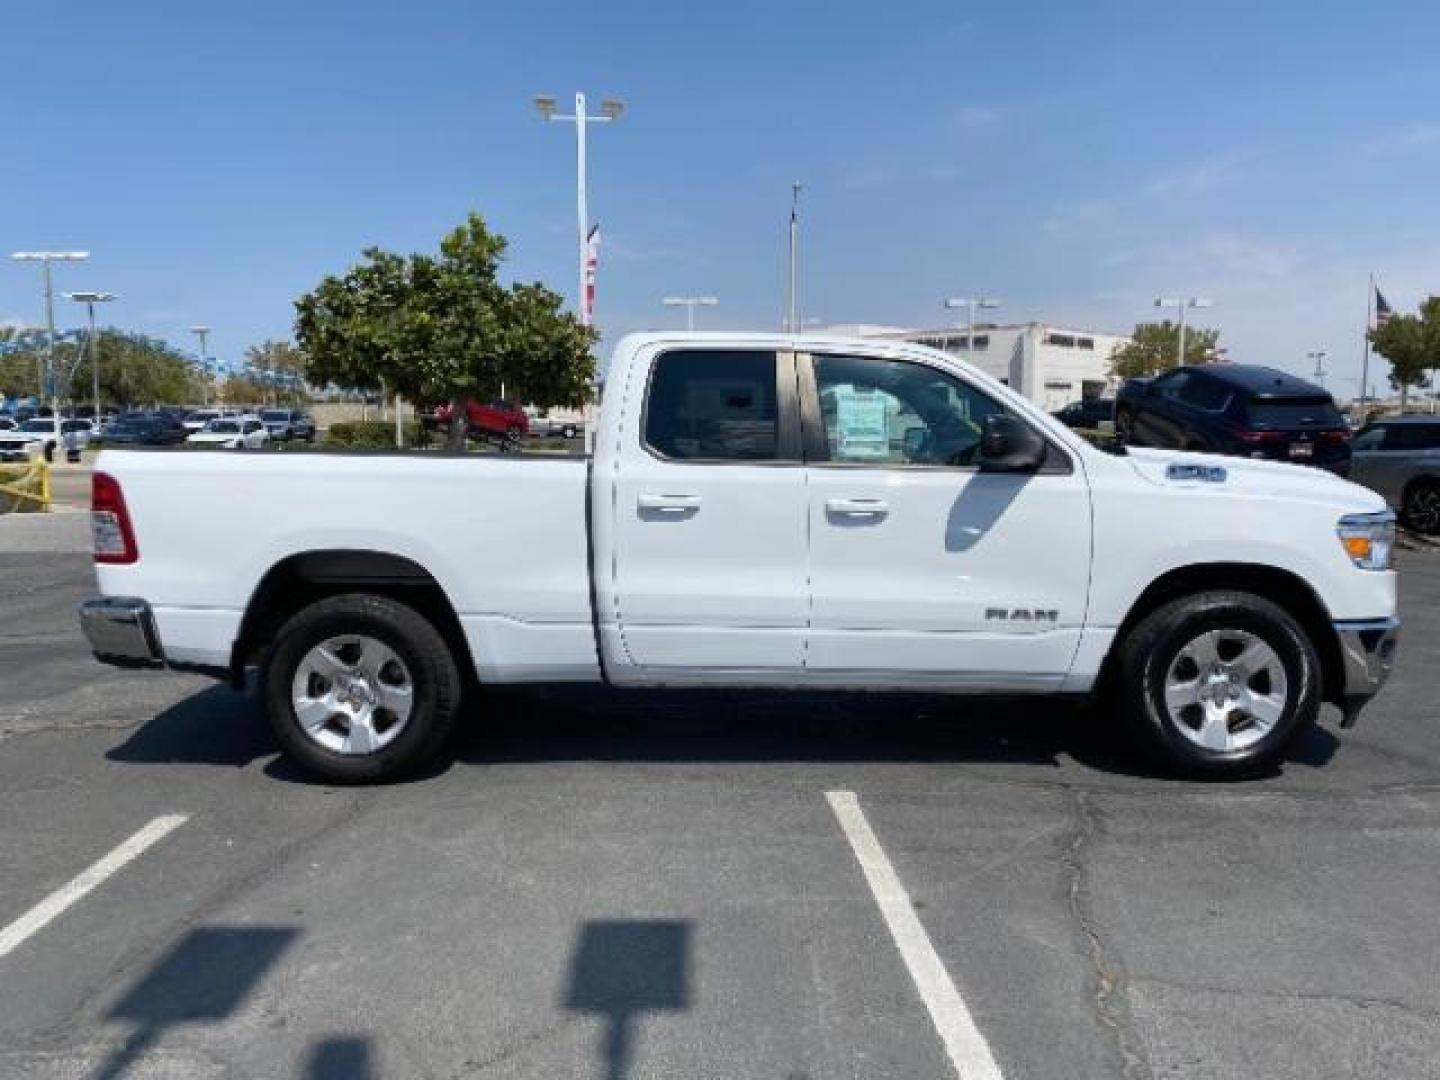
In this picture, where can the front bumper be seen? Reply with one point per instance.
(1367, 655)
(121, 631)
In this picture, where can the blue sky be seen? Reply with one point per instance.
(1074, 159)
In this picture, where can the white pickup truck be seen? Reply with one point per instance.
(759, 510)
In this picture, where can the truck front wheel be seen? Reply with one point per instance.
(360, 687)
(1215, 684)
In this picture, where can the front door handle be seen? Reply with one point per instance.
(877, 508)
(669, 504)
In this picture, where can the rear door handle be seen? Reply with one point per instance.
(857, 507)
(670, 504)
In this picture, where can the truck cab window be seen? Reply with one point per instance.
(894, 412)
(713, 406)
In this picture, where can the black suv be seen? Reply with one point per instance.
(144, 429)
(1240, 409)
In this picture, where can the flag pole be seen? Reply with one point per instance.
(1365, 357)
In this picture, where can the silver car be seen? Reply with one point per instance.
(1399, 457)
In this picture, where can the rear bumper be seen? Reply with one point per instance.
(1367, 653)
(121, 631)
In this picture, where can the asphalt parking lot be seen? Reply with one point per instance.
(626, 885)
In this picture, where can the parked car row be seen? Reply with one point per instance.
(281, 425)
(41, 436)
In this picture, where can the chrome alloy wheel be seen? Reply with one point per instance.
(352, 694)
(1226, 690)
(1422, 509)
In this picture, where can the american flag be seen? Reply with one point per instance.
(1382, 309)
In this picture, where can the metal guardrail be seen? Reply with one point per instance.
(26, 489)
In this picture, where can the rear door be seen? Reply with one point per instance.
(709, 547)
(925, 571)
(1158, 420)
(1406, 450)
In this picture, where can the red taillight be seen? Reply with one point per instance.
(1251, 436)
(110, 522)
(1340, 436)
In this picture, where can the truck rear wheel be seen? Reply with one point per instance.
(1216, 684)
(360, 687)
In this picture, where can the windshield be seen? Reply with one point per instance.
(208, 414)
(38, 425)
(1313, 412)
(224, 427)
(274, 414)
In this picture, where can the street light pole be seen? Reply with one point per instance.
(47, 365)
(90, 299)
(690, 303)
(610, 110)
(1180, 303)
(970, 303)
(1319, 356)
(792, 314)
(202, 332)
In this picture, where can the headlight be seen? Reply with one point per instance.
(1369, 539)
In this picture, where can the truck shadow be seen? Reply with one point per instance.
(589, 723)
(607, 724)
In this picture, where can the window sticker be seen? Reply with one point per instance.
(862, 422)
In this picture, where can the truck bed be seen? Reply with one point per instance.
(504, 537)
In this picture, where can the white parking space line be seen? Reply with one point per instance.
(968, 1051)
(74, 890)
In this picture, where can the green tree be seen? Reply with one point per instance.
(1155, 347)
(18, 373)
(134, 370)
(443, 327)
(273, 371)
(1411, 343)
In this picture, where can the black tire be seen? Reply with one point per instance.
(1420, 507)
(1124, 426)
(431, 664)
(1149, 650)
(510, 444)
(568, 431)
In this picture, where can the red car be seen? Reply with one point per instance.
(502, 419)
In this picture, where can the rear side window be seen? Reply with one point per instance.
(706, 405)
(1412, 437)
(1294, 412)
(1207, 394)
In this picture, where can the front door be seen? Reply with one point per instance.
(709, 522)
(924, 570)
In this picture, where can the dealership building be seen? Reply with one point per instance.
(1051, 365)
